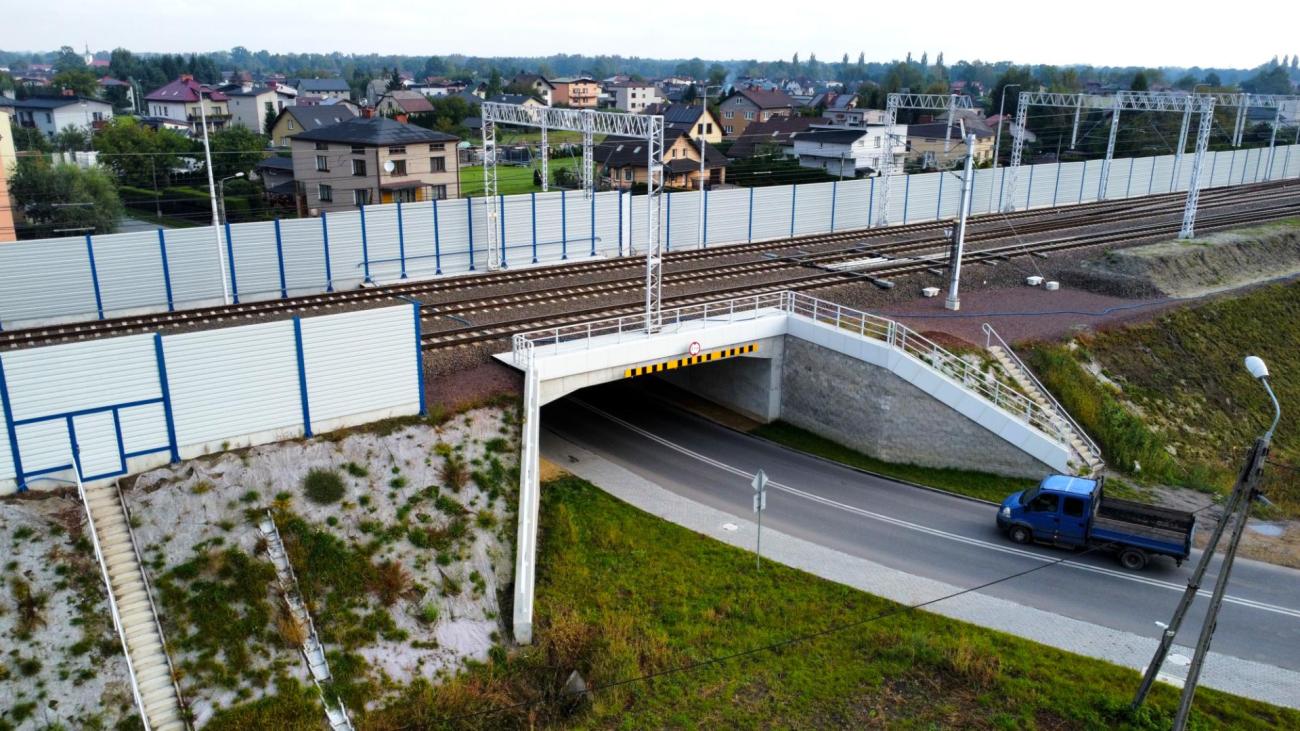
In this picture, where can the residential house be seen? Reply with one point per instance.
(623, 161)
(747, 106)
(938, 145)
(580, 92)
(403, 102)
(128, 91)
(694, 119)
(8, 158)
(328, 88)
(541, 88)
(845, 152)
(520, 99)
(296, 120)
(376, 160)
(277, 179)
(49, 114)
(775, 136)
(180, 101)
(634, 96)
(248, 105)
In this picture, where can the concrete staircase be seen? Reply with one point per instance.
(146, 654)
(1087, 455)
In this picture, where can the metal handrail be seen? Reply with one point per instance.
(153, 609)
(989, 335)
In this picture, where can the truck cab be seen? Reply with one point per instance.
(1058, 511)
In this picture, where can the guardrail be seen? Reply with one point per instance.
(895, 334)
(989, 336)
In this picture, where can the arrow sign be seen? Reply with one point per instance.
(760, 481)
(760, 504)
(760, 501)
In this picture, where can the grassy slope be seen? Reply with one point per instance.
(622, 594)
(511, 179)
(1184, 370)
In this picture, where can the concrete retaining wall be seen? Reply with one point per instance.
(750, 386)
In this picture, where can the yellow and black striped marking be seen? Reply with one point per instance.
(672, 365)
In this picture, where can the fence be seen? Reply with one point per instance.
(121, 405)
(78, 278)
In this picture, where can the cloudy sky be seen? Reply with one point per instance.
(1101, 32)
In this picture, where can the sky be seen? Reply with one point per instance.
(1099, 32)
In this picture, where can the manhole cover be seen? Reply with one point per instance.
(730, 527)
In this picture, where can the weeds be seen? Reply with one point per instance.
(323, 487)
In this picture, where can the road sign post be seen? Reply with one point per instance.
(760, 504)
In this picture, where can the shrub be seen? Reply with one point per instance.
(323, 487)
(355, 469)
(389, 580)
(428, 613)
(454, 472)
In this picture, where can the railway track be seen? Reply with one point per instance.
(895, 240)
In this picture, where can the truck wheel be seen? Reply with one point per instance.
(1133, 559)
(1020, 534)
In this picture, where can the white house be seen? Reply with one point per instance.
(51, 114)
(248, 105)
(634, 96)
(179, 101)
(848, 152)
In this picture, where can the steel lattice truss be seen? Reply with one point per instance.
(1136, 101)
(934, 102)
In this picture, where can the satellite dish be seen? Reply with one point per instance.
(389, 166)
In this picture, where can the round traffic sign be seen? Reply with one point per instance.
(694, 349)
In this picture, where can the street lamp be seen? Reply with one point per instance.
(212, 195)
(1259, 371)
(704, 144)
(997, 141)
(221, 193)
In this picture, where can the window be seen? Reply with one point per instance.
(358, 149)
(1045, 503)
(1074, 507)
(360, 197)
(404, 196)
(699, 128)
(397, 150)
(708, 128)
(749, 116)
(627, 173)
(399, 168)
(290, 123)
(726, 128)
(322, 164)
(437, 147)
(49, 118)
(359, 167)
(322, 146)
(325, 193)
(439, 191)
(877, 142)
(728, 114)
(437, 164)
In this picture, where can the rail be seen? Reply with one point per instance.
(153, 609)
(989, 336)
(564, 338)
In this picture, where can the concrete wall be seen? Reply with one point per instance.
(749, 386)
(870, 409)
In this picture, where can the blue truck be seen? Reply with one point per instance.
(1072, 512)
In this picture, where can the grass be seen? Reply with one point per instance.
(511, 179)
(1199, 409)
(622, 594)
(323, 487)
(980, 485)
(165, 221)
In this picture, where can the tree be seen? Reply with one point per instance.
(68, 60)
(395, 81)
(63, 199)
(494, 83)
(690, 94)
(30, 139)
(81, 81)
(1212, 80)
(1295, 61)
(1276, 80)
(268, 122)
(717, 75)
(1139, 82)
(137, 155)
(236, 149)
(1019, 79)
(72, 139)
(1186, 82)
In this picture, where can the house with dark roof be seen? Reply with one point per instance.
(186, 100)
(846, 152)
(694, 119)
(248, 104)
(49, 114)
(746, 106)
(335, 88)
(277, 179)
(297, 119)
(622, 161)
(539, 86)
(403, 102)
(376, 160)
(775, 136)
(520, 99)
(939, 145)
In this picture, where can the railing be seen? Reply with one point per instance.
(565, 338)
(153, 609)
(989, 336)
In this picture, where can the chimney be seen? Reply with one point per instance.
(400, 118)
(367, 112)
(68, 92)
(187, 77)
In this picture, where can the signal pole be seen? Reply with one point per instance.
(953, 302)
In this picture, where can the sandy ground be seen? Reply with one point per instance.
(66, 671)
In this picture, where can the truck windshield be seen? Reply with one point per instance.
(1028, 495)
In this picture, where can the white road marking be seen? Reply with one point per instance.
(933, 531)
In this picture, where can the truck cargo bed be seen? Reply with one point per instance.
(1157, 529)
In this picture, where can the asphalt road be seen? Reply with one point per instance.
(921, 532)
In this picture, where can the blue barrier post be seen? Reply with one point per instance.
(593, 223)
(794, 199)
(302, 377)
(1258, 159)
(10, 430)
(907, 195)
(469, 212)
(1002, 182)
(704, 243)
(117, 432)
(419, 358)
(325, 241)
(532, 200)
(94, 277)
(620, 217)
(1083, 179)
(230, 261)
(1128, 186)
(1232, 164)
(401, 242)
(437, 243)
(834, 194)
(165, 388)
(1029, 189)
(279, 257)
(938, 205)
(501, 215)
(167, 272)
(1056, 188)
(871, 203)
(668, 226)
(751, 215)
(1244, 164)
(1214, 158)
(564, 226)
(1151, 182)
(365, 246)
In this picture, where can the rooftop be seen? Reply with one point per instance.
(377, 131)
(184, 89)
(323, 85)
(48, 102)
(317, 116)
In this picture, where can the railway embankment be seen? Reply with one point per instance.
(1190, 268)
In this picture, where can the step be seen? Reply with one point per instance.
(159, 682)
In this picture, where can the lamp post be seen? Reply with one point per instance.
(997, 141)
(221, 193)
(704, 143)
(212, 194)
